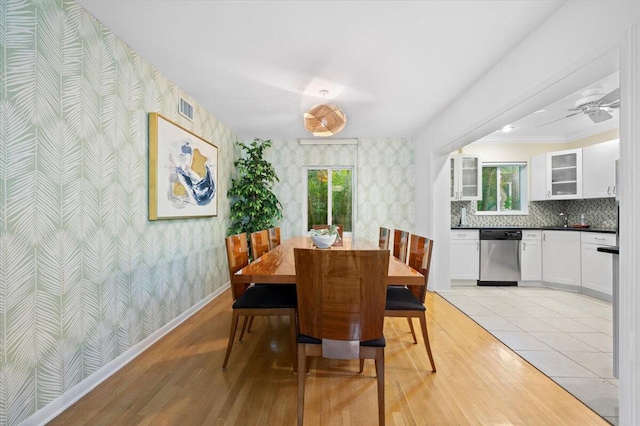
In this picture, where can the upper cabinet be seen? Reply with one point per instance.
(576, 173)
(538, 176)
(556, 175)
(466, 177)
(598, 169)
(564, 174)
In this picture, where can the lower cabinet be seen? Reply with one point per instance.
(561, 257)
(531, 256)
(597, 268)
(465, 254)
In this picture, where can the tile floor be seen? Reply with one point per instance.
(567, 336)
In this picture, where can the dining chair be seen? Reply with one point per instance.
(400, 245)
(383, 239)
(341, 298)
(274, 237)
(408, 301)
(262, 300)
(259, 243)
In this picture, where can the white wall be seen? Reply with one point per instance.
(576, 46)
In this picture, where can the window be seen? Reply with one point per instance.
(329, 197)
(503, 188)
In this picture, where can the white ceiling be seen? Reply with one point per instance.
(542, 126)
(391, 66)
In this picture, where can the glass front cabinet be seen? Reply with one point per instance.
(466, 177)
(564, 174)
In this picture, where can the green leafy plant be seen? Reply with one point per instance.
(254, 206)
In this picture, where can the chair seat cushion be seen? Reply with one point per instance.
(401, 299)
(377, 343)
(267, 296)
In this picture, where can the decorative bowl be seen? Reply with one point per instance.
(323, 241)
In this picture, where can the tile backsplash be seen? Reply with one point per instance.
(598, 212)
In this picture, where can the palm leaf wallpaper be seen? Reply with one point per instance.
(384, 169)
(84, 276)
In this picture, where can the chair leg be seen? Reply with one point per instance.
(413, 332)
(425, 336)
(293, 332)
(302, 356)
(250, 324)
(244, 328)
(361, 365)
(232, 335)
(380, 376)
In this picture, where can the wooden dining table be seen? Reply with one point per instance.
(278, 265)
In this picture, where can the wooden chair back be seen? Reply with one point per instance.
(238, 258)
(420, 260)
(341, 293)
(274, 237)
(383, 239)
(259, 243)
(400, 245)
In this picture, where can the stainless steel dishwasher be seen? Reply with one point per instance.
(499, 256)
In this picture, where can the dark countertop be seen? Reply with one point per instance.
(609, 249)
(543, 228)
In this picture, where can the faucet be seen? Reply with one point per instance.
(565, 218)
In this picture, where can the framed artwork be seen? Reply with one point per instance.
(183, 172)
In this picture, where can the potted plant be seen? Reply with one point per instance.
(254, 206)
(324, 238)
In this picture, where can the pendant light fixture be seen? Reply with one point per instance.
(324, 120)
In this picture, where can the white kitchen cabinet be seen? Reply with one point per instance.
(531, 256)
(466, 177)
(598, 169)
(561, 257)
(597, 268)
(465, 254)
(538, 177)
(564, 174)
(556, 175)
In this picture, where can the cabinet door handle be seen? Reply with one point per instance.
(600, 239)
(614, 190)
(524, 246)
(478, 246)
(544, 237)
(548, 194)
(608, 190)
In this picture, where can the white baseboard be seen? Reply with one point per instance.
(64, 401)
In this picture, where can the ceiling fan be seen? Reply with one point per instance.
(594, 104)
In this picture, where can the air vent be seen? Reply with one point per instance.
(185, 109)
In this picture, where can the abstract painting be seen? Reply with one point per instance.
(182, 172)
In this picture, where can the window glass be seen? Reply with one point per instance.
(502, 188)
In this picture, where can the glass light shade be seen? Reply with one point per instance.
(324, 120)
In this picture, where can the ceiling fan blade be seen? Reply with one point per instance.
(561, 118)
(610, 98)
(600, 116)
(616, 104)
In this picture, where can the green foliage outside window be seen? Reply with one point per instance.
(500, 188)
(341, 197)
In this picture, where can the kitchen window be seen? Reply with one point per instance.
(504, 189)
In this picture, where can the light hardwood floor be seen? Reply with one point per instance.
(178, 380)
